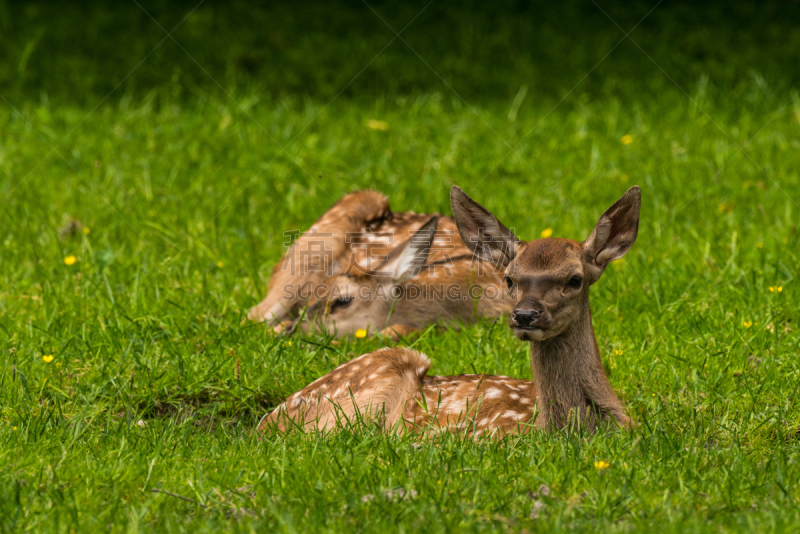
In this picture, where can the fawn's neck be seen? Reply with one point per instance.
(571, 383)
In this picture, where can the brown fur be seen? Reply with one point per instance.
(403, 316)
(389, 387)
(449, 263)
(352, 213)
(574, 386)
(376, 385)
(472, 405)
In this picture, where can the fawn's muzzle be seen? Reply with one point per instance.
(525, 318)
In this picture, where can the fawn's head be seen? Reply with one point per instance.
(548, 279)
(353, 298)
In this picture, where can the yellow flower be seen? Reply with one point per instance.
(747, 324)
(618, 264)
(47, 358)
(87, 230)
(70, 260)
(618, 352)
(626, 139)
(775, 289)
(759, 245)
(373, 124)
(726, 207)
(361, 333)
(289, 343)
(602, 464)
(547, 232)
(14, 428)
(219, 265)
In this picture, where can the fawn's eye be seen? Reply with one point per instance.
(509, 282)
(575, 282)
(341, 303)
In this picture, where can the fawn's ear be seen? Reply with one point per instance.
(487, 237)
(405, 261)
(615, 232)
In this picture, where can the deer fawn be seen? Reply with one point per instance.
(405, 292)
(550, 281)
(360, 266)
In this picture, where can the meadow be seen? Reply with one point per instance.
(153, 155)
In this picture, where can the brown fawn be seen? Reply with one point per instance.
(361, 266)
(405, 292)
(550, 281)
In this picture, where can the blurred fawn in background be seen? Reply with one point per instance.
(363, 267)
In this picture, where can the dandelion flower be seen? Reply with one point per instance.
(626, 139)
(361, 333)
(87, 230)
(618, 352)
(759, 245)
(747, 324)
(70, 260)
(219, 265)
(602, 464)
(47, 358)
(14, 428)
(547, 232)
(373, 124)
(775, 289)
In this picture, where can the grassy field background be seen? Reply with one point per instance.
(147, 178)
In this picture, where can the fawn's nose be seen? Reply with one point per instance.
(525, 318)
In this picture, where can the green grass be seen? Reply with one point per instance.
(175, 174)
